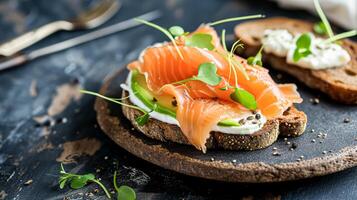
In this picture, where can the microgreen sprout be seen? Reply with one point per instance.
(123, 192)
(245, 98)
(303, 44)
(320, 28)
(257, 59)
(207, 73)
(163, 30)
(79, 181)
(141, 120)
(176, 31)
(341, 36)
(233, 19)
(200, 40)
(323, 17)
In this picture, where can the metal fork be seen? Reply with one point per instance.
(86, 20)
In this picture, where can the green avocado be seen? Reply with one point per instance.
(163, 104)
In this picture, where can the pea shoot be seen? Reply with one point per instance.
(166, 32)
(200, 40)
(303, 44)
(257, 59)
(79, 181)
(123, 192)
(324, 27)
(141, 120)
(176, 31)
(207, 73)
(233, 19)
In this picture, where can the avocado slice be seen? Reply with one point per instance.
(164, 104)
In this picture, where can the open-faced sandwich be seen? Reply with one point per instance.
(192, 90)
(310, 52)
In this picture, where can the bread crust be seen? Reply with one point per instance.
(292, 122)
(339, 83)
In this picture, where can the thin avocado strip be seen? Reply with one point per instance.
(147, 98)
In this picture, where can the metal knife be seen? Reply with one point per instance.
(18, 59)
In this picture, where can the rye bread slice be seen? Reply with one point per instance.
(339, 83)
(291, 123)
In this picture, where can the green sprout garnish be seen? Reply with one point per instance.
(325, 27)
(236, 19)
(341, 36)
(163, 30)
(200, 40)
(320, 28)
(79, 181)
(176, 31)
(141, 120)
(245, 98)
(323, 17)
(303, 44)
(207, 73)
(123, 192)
(257, 59)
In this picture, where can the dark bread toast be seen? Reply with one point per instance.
(339, 83)
(291, 123)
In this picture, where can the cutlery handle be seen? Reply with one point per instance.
(27, 39)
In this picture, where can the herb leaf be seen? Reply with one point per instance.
(81, 181)
(207, 73)
(320, 28)
(245, 98)
(257, 59)
(123, 192)
(126, 193)
(303, 44)
(200, 40)
(323, 18)
(176, 30)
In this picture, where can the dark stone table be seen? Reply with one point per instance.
(31, 147)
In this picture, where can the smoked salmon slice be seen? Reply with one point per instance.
(202, 106)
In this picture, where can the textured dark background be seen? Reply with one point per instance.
(22, 156)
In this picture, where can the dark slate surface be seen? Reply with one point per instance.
(20, 138)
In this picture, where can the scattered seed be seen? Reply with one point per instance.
(174, 103)
(254, 112)
(254, 122)
(315, 101)
(29, 182)
(276, 153)
(212, 159)
(234, 161)
(274, 148)
(324, 152)
(346, 120)
(250, 118)
(288, 143)
(312, 130)
(313, 140)
(154, 99)
(96, 190)
(302, 157)
(242, 121)
(294, 145)
(97, 170)
(285, 139)
(258, 116)
(279, 76)
(105, 157)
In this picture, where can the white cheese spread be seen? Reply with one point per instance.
(323, 55)
(251, 124)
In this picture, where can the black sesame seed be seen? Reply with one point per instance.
(250, 118)
(242, 121)
(154, 99)
(174, 103)
(258, 116)
(294, 145)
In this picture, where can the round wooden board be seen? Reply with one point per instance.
(320, 156)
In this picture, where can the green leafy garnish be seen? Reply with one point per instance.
(79, 181)
(233, 19)
(207, 73)
(245, 98)
(176, 30)
(166, 32)
(141, 120)
(257, 59)
(303, 44)
(341, 36)
(320, 28)
(123, 192)
(323, 18)
(200, 40)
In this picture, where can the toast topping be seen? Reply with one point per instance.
(316, 53)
